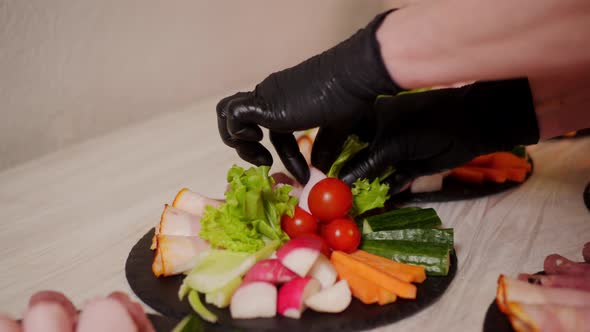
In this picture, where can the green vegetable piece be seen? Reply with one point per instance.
(221, 298)
(519, 151)
(351, 146)
(400, 219)
(199, 308)
(434, 235)
(435, 258)
(368, 196)
(267, 251)
(252, 212)
(183, 290)
(190, 323)
(218, 269)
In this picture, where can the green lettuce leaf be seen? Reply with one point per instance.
(252, 212)
(368, 195)
(351, 146)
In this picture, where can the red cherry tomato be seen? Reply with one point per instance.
(325, 249)
(329, 199)
(342, 234)
(301, 223)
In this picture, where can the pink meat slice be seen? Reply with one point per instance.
(7, 324)
(105, 315)
(135, 311)
(47, 317)
(586, 252)
(193, 202)
(176, 254)
(54, 297)
(557, 264)
(549, 317)
(559, 281)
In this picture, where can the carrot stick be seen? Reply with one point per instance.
(364, 290)
(508, 160)
(385, 296)
(485, 160)
(464, 174)
(491, 174)
(400, 288)
(516, 174)
(404, 272)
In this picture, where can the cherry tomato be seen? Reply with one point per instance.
(342, 234)
(301, 222)
(325, 249)
(329, 199)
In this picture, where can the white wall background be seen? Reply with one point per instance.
(74, 69)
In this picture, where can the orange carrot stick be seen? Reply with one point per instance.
(516, 174)
(364, 290)
(491, 174)
(464, 174)
(385, 296)
(507, 160)
(484, 161)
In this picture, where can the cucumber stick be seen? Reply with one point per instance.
(430, 235)
(435, 258)
(401, 219)
(199, 308)
(190, 323)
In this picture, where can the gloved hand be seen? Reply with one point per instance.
(333, 90)
(428, 132)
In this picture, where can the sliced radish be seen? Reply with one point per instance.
(315, 176)
(299, 254)
(323, 271)
(427, 183)
(254, 299)
(269, 270)
(332, 299)
(293, 294)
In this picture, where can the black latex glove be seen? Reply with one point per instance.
(332, 90)
(425, 133)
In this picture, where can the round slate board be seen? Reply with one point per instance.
(161, 295)
(161, 323)
(453, 190)
(587, 196)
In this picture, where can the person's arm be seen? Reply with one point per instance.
(436, 43)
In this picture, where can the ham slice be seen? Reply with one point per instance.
(193, 202)
(47, 317)
(55, 297)
(513, 290)
(559, 281)
(177, 254)
(7, 324)
(106, 314)
(557, 264)
(549, 317)
(135, 311)
(175, 221)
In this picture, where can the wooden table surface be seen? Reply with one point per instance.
(70, 218)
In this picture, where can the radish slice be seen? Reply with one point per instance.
(177, 254)
(293, 294)
(315, 176)
(427, 183)
(299, 254)
(253, 300)
(269, 270)
(193, 202)
(323, 271)
(332, 299)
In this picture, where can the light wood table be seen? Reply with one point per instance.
(70, 218)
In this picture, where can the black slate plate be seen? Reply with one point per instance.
(161, 323)
(454, 190)
(587, 196)
(161, 295)
(495, 320)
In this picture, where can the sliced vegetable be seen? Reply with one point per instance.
(481, 161)
(334, 299)
(190, 323)
(324, 249)
(519, 151)
(382, 279)
(385, 297)
(401, 219)
(435, 258)
(323, 271)
(351, 146)
(329, 199)
(490, 174)
(427, 183)
(361, 288)
(404, 272)
(199, 308)
(469, 175)
(221, 297)
(292, 296)
(368, 195)
(269, 270)
(516, 174)
(342, 234)
(299, 254)
(432, 235)
(253, 300)
(252, 211)
(507, 160)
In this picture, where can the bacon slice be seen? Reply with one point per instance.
(47, 317)
(558, 281)
(54, 297)
(549, 317)
(193, 202)
(105, 314)
(176, 222)
(135, 311)
(177, 254)
(7, 324)
(557, 264)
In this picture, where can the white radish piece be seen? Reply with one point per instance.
(193, 202)
(105, 314)
(323, 271)
(47, 317)
(427, 183)
(333, 299)
(299, 254)
(253, 300)
(269, 270)
(292, 296)
(177, 254)
(315, 176)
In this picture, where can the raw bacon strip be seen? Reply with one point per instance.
(8, 324)
(177, 254)
(135, 311)
(557, 264)
(105, 315)
(558, 281)
(47, 317)
(549, 317)
(512, 290)
(54, 297)
(193, 202)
